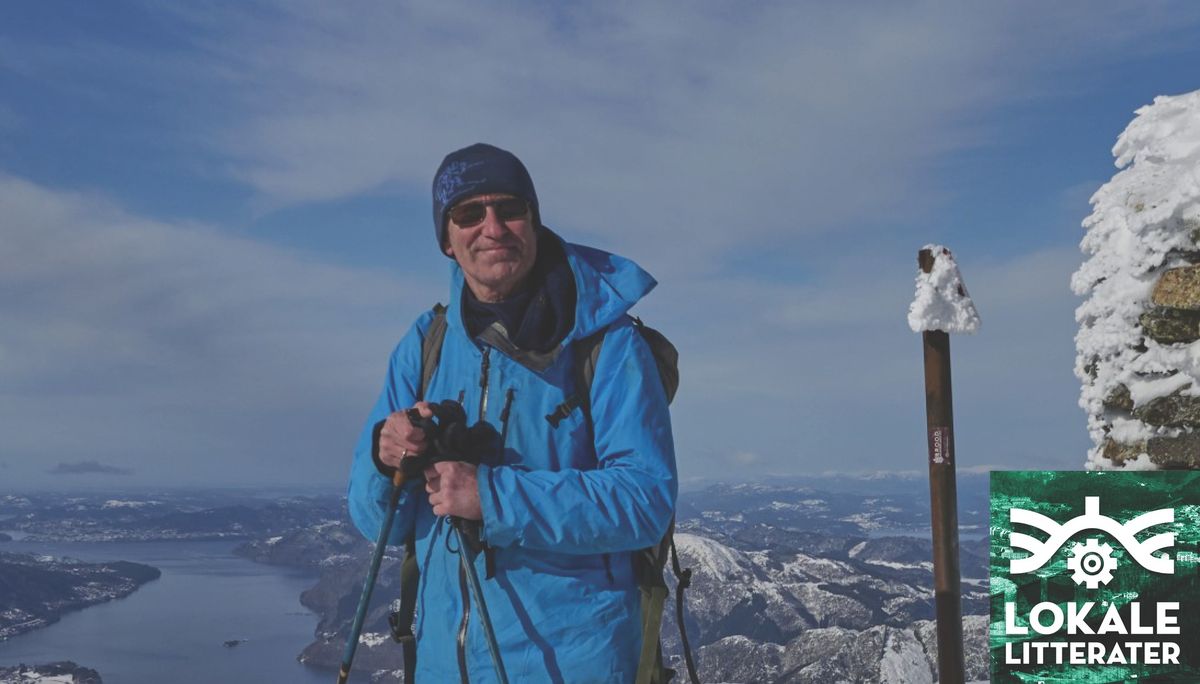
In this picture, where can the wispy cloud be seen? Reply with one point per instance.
(758, 161)
(181, 349)
(88, 468)
(800, 374)
(197, 355)
(651, 126)
(692, 126)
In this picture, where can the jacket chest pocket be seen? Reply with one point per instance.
(533, 442)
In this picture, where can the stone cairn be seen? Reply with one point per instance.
(1139, 339)
(1173, 319)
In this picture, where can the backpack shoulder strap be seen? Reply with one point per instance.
(431, 347)
(401, 621)
(587, 352)
(666, 359)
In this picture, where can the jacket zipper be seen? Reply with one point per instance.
(483, 383)
(462, 573)
(462, 626)
(508, 400)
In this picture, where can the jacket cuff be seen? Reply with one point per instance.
(384, 470)
(496, 532)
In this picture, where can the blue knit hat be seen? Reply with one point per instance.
(477, 170)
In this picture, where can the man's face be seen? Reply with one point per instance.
(496, 253)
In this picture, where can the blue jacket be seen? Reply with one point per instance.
(562, 511)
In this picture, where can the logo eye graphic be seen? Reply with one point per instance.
(1092, 563)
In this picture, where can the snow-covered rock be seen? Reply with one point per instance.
(1132, 351)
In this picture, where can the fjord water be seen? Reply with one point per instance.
(173, 629)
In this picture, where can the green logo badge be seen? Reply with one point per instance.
(1094, 576)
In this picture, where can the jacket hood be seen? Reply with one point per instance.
(606, 287)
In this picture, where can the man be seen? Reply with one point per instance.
(580, 484)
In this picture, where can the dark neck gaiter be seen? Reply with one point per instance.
(540, 314)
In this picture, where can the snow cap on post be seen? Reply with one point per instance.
(941, 301)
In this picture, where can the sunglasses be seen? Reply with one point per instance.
(472, 213)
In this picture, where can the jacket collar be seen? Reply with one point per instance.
(606, 288)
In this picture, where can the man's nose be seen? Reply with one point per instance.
(493, 227)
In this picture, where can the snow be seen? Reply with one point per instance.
(373, 639)
(867, 521)
(1140, 222)
(903, 660)
(1130, 430)
(33, 676)
(822, 568)
(927, 565)
(941, 301)
(1142, 462)
(117, 503)
(711, 558)
(718, 516)
(1144, 391)
(783, 506)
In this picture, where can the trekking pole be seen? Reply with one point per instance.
(385, 531)
(946, 307)
(467, 557)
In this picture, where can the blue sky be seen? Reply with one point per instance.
(215, 224)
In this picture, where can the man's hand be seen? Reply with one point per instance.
(453, 490)
(400, 439)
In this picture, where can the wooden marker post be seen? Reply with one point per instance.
(943, 495)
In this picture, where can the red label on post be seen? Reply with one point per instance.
(941, 446)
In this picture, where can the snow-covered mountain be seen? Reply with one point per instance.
(765, 617)
(790, 583)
